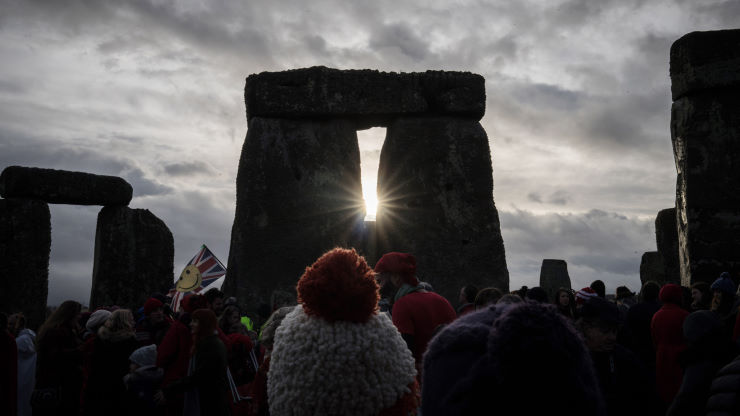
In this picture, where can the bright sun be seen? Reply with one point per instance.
(370, 142)
(371, 201)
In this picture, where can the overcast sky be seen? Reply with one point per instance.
(578, 107)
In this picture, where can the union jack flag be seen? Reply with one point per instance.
(210, 269)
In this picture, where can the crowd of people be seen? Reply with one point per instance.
(358, 340)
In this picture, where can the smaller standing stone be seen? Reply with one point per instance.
(134, 257)
(64, 187)
(553, 276)
(652, 268)
(25, 243)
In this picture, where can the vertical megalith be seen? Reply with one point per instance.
(435, 193)
(553, 276)
(134, 257)
(652, 268)
(25, 243)
(705, 131)
(666, 237)
(298, 195)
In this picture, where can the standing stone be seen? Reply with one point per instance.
(298, 195)
(25, 227)
(652, 268)
(134, 257)
(64, 187)
(705, 131)
(435, 193)
(666, 237)
(553, 276)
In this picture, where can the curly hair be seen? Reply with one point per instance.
(339, 286)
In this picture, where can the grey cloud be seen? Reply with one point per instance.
(534, 197)
(727, 13)
(399, 35)
(185, 169)
(144, 186)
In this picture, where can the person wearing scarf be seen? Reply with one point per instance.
(416, 313)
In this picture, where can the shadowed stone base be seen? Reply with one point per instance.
(25, 227)
(435, 192)
(134, 255)
(298, 195)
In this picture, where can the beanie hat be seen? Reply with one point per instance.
(191, 303)
(724, 284)
(151, 304)
(584, 294)
(144, 356)
(400, 263)
(97, 319)
(602, 310)
(502, 353)
(351, 360)
(671, 293)
(701, 324)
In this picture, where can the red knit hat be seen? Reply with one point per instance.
(584, 294)
(339, 286)
(403, 264)
(151, 304)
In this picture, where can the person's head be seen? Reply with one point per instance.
(487, 296)
(120, 320)
(509, 298)
(537, 294)
(267, 336)
(16, 323)
(192, 303)
(623, 292)
(394, 270)
(583, 295)
(339, 286)
(723, 290)
(671, 293)
(599, 287)
(96, 320)
(229, 318)
(65, 316)
(649, 291)
(468, 294)
(203, 324)
(143, 357)
(700, 295)
(500, 355)
(599, 322)
(564, 298)
(154, 310)
(215, 299)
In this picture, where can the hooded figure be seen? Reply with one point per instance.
(523, 358)
(667, 331)
(334, 354)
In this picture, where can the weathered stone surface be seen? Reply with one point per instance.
(373, 97)
(435, 192)
(298, 195)
(705, 130)
(64, 187)
(553, 276)
(652, 267)
(25, 243)
(666, 237)
(134, 256)
(705, 60)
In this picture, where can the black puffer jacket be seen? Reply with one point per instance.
(724, 398)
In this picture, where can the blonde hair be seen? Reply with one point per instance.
(120, 320)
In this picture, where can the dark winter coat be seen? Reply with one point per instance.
(708, 351)
(638, 322)
(105, 393)
(141, 385)
(724, 399)
(208, 378)
(624, 382)
(59, 365)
